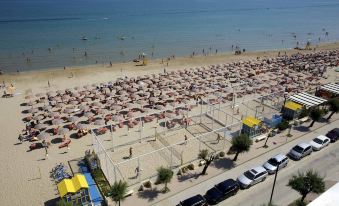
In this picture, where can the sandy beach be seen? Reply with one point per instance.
(25, 175)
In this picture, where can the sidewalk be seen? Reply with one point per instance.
(217, 169)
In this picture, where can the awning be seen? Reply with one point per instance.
(66, 186)
(306, 99)
(251, 121)
(72, 185)
(292, 106)
(331, 87)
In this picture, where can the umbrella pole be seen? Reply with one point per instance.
(140, 130)
(112, 138)
(200, 111)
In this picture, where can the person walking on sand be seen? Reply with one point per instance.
(218, 138)
(21, 138)
(130, 152)
(137, 172)
(186, 139)
(49, 85)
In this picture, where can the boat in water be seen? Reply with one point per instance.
(84, 38)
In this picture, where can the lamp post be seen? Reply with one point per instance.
(275, 178)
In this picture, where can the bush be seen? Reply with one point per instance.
(222, 154)
(304, 113)
(100, 179)
(148, 184)
(283, 125)
(190, 166)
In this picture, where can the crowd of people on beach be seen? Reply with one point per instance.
(158, 96)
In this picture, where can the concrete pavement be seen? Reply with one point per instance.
(324, 161)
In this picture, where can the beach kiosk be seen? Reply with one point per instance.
(75, 190)
(251, 126)
(291, 110)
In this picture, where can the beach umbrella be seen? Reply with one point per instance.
(86, 99)
(33, 110)
(160, 107)
(29, 97)
(117, 118)
(56, 121)
(74, 102)
(96, 104)
(82, 126)
(84, 107)
(99, 122)
(39, 95)
(89, 114)
(68, 110)
(73, 119)
(130, 114)
(62, 131)
(47, 107)
(40, 126)
(38, 117)
(43, 136)
(59, 105)
(51, 93)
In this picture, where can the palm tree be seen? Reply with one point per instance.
(164, 176)
(333, 106)
(241, 143)
(207, 157)
(62, 202)
(305, 183)
(316, 114)
(119, 191)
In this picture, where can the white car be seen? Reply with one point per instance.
(320, 142)
(272, 164)
(252, 177)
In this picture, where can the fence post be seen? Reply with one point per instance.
(139, 176)
(171, 166)
(115, 173)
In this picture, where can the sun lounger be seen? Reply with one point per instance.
(65, 144)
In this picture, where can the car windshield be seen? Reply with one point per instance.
(249, 175)
(316, 140)
(298, 149)
(273, 162)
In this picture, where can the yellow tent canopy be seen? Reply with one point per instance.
(251, 121)
(72, 185)
(292, 106)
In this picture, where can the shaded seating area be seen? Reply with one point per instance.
(291, 110)
(251, 127)
(75, 190)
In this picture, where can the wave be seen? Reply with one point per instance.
(37, 20)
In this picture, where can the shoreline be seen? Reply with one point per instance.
(98, 73)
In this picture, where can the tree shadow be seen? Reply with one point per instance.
(302, 128)
(224, 163)
(188, 176)
(149, 194)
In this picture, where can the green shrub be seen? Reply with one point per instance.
(222, 154)
(148, 184)
(283, 125)
(190, 166)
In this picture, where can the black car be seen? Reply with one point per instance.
(197, 200)
(222, 191)
(333, 134)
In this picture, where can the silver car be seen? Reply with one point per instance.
(300, 150)
(252, 177)
(272, 164)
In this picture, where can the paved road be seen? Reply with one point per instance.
(326, 162)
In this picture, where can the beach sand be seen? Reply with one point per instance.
(24, 176)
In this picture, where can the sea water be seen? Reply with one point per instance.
(41, 34)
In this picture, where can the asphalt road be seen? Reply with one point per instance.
(326, 162)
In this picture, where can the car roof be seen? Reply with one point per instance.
(279, 157)
(227, 183)
(303, 145)
(258, 169)
(322, 137)
(192, 200)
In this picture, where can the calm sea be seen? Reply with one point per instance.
(39, 34)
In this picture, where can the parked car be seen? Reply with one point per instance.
(222, 191)
(252, 177)
(197, 200)
(320, 142)
(272, 164)
(333, 134)
(300, 150)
